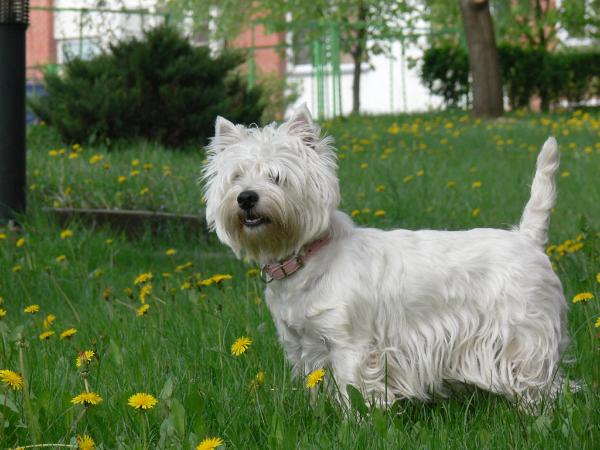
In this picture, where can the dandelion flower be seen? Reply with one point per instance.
(65, 234)
(2, 313)
(240, 345)
(2, 236)
(87, 399)
(210, 443)
(145, 291)
(20, 242)
(143, 278)
(48, 321)
(451, 184)
(68, 333)
(379, 213)
(122, 179)
(44, 336)
(85, 442)
(32, 309)
(598, 277)
(315, 378)
(96, 158)
(17, 268)
(420, 173)
(583, 297)
(141, 401)
(84, 357)
(597, 324)
(170, 252)
(258, 380)
(142, 310)
(60, 258)
(476, 184)
(475, 212)
(12, 379)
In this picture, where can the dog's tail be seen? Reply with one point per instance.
(536, 216)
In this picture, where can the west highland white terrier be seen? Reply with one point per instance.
(397, 314)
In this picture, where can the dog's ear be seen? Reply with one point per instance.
(301, 124)
(226, 134)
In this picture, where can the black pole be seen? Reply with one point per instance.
(14, 19)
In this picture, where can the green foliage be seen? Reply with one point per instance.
(445, 71)
(158, 88)
(572, 76)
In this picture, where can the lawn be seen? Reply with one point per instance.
(161, 311)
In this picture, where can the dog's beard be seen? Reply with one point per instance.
(267, 232)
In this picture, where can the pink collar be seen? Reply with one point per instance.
(285, 268)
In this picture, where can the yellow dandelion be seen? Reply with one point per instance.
(68, 333)
(2, 313)
(420, 173)
(451, 184)
(583, 297)
(20, 242)
(366, 210)
(597, 324)
(32, 309)
(476, 184)
(142, 401)
(315, 378)
(221, 277)
(475, 212)
(364, 165)
(135, 162)
(84, 357)
(87, 399)
(109, 241)
(134, 173)
(73, 155)
(144, 191)
(85, 442)
(122, 179)
(379, 188)
(44, 336)
(48, 321)
(210, 443)
(65, 234)
(60, 258)
(379, 213)
(96, 159)
(565, 174)
(17, 268)
(355, 212)
(170, 252)
(240, 345)
(145, 291)
(2, 236)
(142, 310)
(11, 379)
(252, 273)
(143, 278)
(394, 129)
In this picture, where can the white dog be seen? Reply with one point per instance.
(398, 314)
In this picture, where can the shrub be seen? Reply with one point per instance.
(572, 76)
(158, 88)
(445, 71)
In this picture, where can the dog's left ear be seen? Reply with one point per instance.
(301, 124)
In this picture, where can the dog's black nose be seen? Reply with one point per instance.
(247, 200)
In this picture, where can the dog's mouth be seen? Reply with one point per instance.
(254, 221)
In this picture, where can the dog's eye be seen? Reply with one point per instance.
(275, 178)
(236, 177)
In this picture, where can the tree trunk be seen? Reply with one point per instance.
(358, 55)
(483, 58)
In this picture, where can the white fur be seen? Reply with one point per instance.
(398, 314)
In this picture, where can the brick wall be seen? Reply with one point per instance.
(267, 60)
(41, 47)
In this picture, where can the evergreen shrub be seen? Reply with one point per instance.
(158, 88)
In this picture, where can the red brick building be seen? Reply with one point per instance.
(41, 46)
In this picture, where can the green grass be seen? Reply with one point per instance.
(180, 350)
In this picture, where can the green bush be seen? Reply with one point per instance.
(571, 76)
(158, 88)
(445, 71)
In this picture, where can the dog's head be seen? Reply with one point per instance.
(269, 191)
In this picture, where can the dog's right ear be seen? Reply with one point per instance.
(226, 134)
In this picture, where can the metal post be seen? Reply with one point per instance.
(14, 19)
(252, 60)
